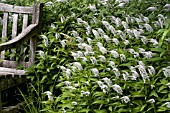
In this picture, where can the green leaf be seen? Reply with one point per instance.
(121, 110)
(101, 111)
(163, 37)
(126, 64)
(98, 94)
(155, 59)
(55, 76)
(143, 107)
(153, 93)
(162, 88)
(83, 80)
(164, 81)
(99, 102)
(168, 95)
(68, 94)
(162, 109)
(110, 108)
(164, 91)
(84, 110)
(44, 77)
(68, 105)
(157, 50)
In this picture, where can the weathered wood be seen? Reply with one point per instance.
(27, 33)
(35, 20)
(14, 28)
(9, 64)
(16, 9)
(25, 21)
(36, 13)
(14, 25)
(13, 64)
(4, 31)
(24, 25)
(15, 109)
(10, 71)
(32, 51)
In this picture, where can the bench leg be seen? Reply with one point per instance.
(0, 103)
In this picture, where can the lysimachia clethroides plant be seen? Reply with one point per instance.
(116, 61)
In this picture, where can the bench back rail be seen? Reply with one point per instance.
(13, 15)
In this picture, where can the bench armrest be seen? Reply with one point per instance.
(27, 33)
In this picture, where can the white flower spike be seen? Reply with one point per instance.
(42, 54)
(151, 70)
(78, 65)
(74, 103)
(95, 71)
(151, 100)
(107, 81)
(152, 9)
(125, 99)
(116, 72)
(117, 88)
(49, 94)
(102, 58)
(93, 60)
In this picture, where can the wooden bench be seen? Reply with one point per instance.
(20, 26)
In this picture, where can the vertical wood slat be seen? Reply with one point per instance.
(14, 25)
(14, 28)
(25, 21)
(32, 39)
(32, 51)
(24, 25)
(4, 31)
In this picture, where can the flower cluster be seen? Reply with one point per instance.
(115, 59)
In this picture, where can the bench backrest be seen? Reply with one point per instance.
(14, 20)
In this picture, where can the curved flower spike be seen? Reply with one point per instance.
(114, 53)
(167, 104)
(151, 100)
(117, 88)
(112, 64)
(152, 9)
(103, 50)
(125, 25)
(125, 99)
(122, 57)
(151, 70)
(68, 73)
(49, 94)
(107, 81)
(74, 103)
(116, 72)
(166, 7)
(95, 71)
(102, 58)
(78, 65)
(116, 41)
(93, 60)
(106, 38)
(42, 54)
(100, 31)
(95, 33)
(148, 28)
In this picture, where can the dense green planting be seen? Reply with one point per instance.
(102, 57)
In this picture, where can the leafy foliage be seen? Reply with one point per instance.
(103, 56)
